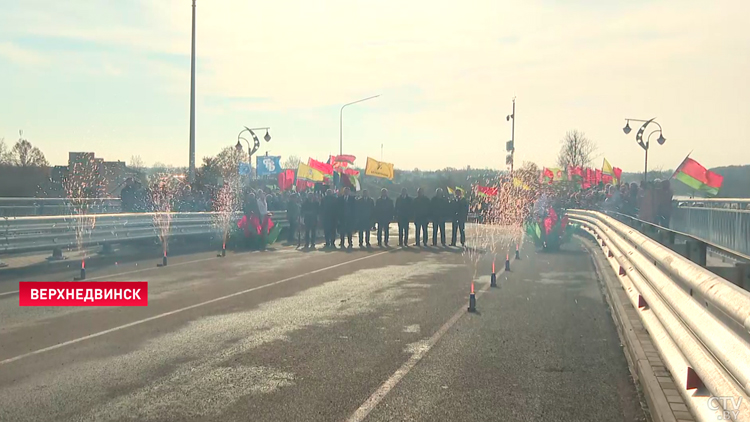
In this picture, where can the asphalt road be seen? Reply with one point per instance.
(287, 335)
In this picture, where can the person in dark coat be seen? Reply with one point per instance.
(421, 208)
(365, 207)
(439, 205)
(310, 211)
(346, 216)
(293, 215)
(403, 215)
(328, 216)
(461, 208)
(383, 215)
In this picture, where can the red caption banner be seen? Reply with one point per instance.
(83, 293)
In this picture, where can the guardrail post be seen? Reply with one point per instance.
(696, 252)
(743, 272)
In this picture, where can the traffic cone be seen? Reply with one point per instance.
(493, 277)
(223, 250)
(518, 252)
(83, 271)
(163, 260)
(472, 299)
(507, 262)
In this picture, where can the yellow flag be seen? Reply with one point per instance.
(306, 172)
(379, 169)
(518, 183)
(607, 168)
(450, 191)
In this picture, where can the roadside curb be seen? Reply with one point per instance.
(649, 372)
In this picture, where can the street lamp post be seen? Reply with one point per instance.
(256, 144)
(341, 121)
(511, 146)
(639, 139)
(191, 160)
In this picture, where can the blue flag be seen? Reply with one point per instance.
(267, 165)
(244, 169)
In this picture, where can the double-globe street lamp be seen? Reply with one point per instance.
(341, 121)
(256, 144)
(639, 139)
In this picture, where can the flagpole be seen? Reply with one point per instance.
(680, 166)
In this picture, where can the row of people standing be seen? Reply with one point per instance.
(344, 214)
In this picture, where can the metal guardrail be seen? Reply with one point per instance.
(28, 234)
(18, 207)
(699, 321)
(724, 226)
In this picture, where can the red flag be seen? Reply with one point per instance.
(302, 185)
(351, 172)
(598, 176)
(484, 190)
(618, 173)
(607, 179)
(286, 180)
(321, 167)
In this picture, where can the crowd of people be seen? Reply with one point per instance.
(342, 214)
(648, 201)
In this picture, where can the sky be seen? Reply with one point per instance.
(114, 78)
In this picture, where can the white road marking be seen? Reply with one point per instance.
(180, 310)
(360, 414)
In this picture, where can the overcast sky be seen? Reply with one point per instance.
(114, 78)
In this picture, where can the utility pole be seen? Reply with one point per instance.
(191, 168)
(511, 146)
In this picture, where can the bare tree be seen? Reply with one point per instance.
(229, 159)
(24, 154)
(4, 153)
(577, 150)
(292, 162)
(136, 163)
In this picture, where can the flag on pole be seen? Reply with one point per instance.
(379, 169)
(305, 172)
(321, 167)
(691, 173)
(486, 191)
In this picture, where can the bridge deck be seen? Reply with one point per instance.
(321, 336)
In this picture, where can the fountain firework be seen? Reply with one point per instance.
(226, 205)
(164, 188)
(83, 185)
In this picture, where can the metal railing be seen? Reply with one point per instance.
(18, 207)
(699, 321)
(55, 233)
(722, 222)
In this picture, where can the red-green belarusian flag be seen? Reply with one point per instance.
(486, 191)
(691, 173)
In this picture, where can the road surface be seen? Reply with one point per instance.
(287, 335)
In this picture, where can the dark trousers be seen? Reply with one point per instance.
(435, 226)
(458, 226)
(421, 228)
(383, 229)
(293, 228)
(329, 229)
(345, 233)
(310, 230)
(364, 236)
(403, 232)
